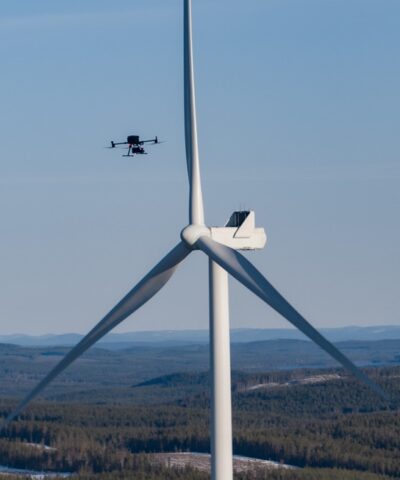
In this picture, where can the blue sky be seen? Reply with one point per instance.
(298, 111)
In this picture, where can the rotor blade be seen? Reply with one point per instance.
(196, 211)
(240, 268)
(139, 295)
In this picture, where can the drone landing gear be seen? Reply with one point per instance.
(135, 150)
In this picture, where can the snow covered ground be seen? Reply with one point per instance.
(31, 473)
(201, 461)
(329, 377)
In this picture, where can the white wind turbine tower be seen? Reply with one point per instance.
(220, 245)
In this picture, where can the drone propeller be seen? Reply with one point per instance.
(156, 141)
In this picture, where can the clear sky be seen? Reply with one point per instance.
(299, 114)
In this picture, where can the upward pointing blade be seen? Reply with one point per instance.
(139, 295)
(240, 268)
(196, 212)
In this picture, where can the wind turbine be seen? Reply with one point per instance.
(220, 245)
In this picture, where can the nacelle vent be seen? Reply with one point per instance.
(237, 218)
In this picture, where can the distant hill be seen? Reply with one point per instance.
(116, 341)
(101, 372)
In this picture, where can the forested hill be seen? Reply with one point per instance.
(22, 367)
(332, 424)
(108, 413)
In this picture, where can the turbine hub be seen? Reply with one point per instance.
(192, 233)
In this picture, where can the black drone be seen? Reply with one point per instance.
(135, 145)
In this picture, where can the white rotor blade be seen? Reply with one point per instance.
(196, 211)
(240, 268)
(139, 295)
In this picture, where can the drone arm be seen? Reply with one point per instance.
(241, 269)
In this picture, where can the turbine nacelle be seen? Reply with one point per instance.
(239, 233)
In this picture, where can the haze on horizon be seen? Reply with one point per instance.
(298, 119)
